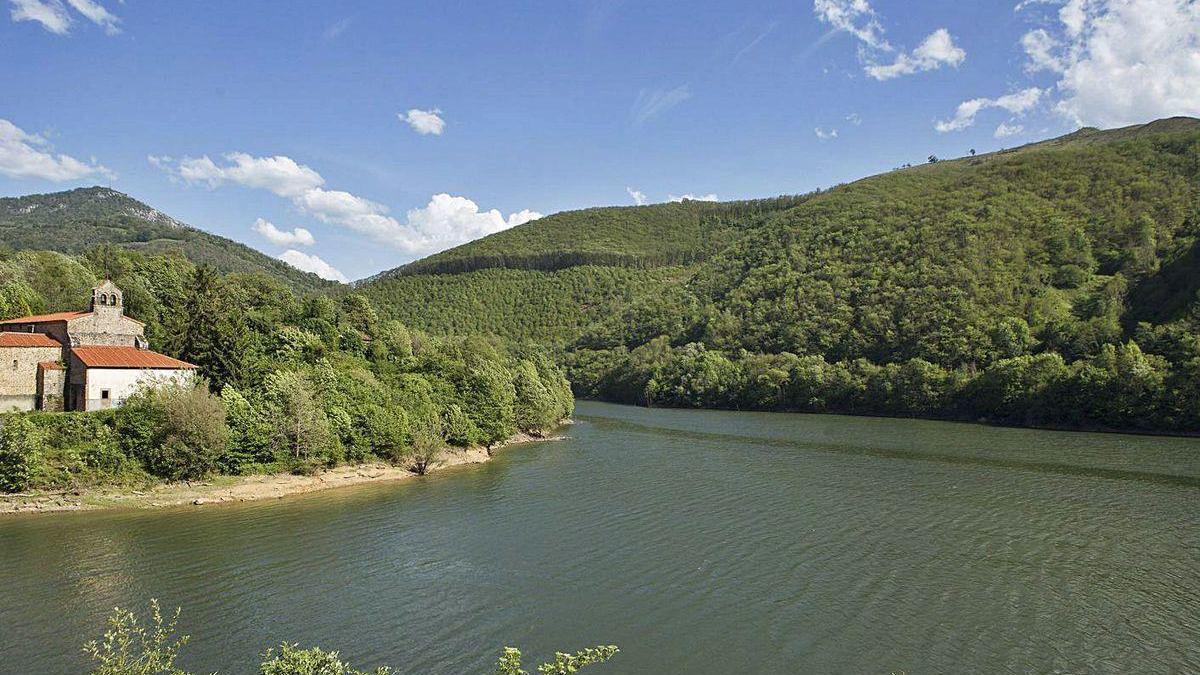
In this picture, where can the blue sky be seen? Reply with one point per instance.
(387, 130)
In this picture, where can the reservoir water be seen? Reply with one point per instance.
(700, 542)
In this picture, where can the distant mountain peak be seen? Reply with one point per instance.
(73, 221)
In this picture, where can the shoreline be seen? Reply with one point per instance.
(237, 489)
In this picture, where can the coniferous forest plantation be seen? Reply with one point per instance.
(1056, 284)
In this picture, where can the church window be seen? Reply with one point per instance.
(103, 298)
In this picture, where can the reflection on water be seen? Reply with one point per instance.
(701, 542)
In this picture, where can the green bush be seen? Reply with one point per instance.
(21, 443)
(291, 660)
(178, 431)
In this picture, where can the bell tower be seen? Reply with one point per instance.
(107, 300)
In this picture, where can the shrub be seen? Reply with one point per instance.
(291, 660)
(20, 444)
(178, 431)
(129, 648)
(426, 451)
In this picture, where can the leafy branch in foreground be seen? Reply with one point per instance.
(563, 664)
(129, 648)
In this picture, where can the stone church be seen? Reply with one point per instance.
(87, 360)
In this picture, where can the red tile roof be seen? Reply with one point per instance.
(44, 318)
(126, 357)
(28, 340)
(51, 365)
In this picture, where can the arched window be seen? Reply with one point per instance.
(103, 298)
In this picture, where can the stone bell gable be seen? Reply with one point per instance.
(106, 323)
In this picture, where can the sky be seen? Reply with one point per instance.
(351, 137)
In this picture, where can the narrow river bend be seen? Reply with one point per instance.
(700, 542)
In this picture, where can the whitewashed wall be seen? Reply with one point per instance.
(121, 382)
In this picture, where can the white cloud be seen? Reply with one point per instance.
(1122, 61)
(424, 122)
(50, 13)
(1015, 103)
(446, 221)
(858, 18)
(854, 118)
(523, 216)
(638, 196)
(651, 103)
(298, 236)
(97, 14)
(825, 134)
(855, 17)
(1005, 130)
(312, 263)
(1041, 47)
(936, 50)
(362, 215)
(710, 197)
(25, 155)
(279, 174)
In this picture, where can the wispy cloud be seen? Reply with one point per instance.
(638, 196)
(762, 35)
(97, 14)
(825, 134)
(855, 17)
(653, 102)
(689, 197)
(54, 17)
(859, 19)
(335, 29)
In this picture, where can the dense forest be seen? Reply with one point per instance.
(292, 382)
(1053, 284)
(78, 220)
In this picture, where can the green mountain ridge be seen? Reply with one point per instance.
(77, 220)
(1066, 248)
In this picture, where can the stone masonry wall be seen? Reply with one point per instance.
(19, 375)
(105, 329)
(52, 387)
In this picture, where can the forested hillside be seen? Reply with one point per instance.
(1055, 283)
(78, 220)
